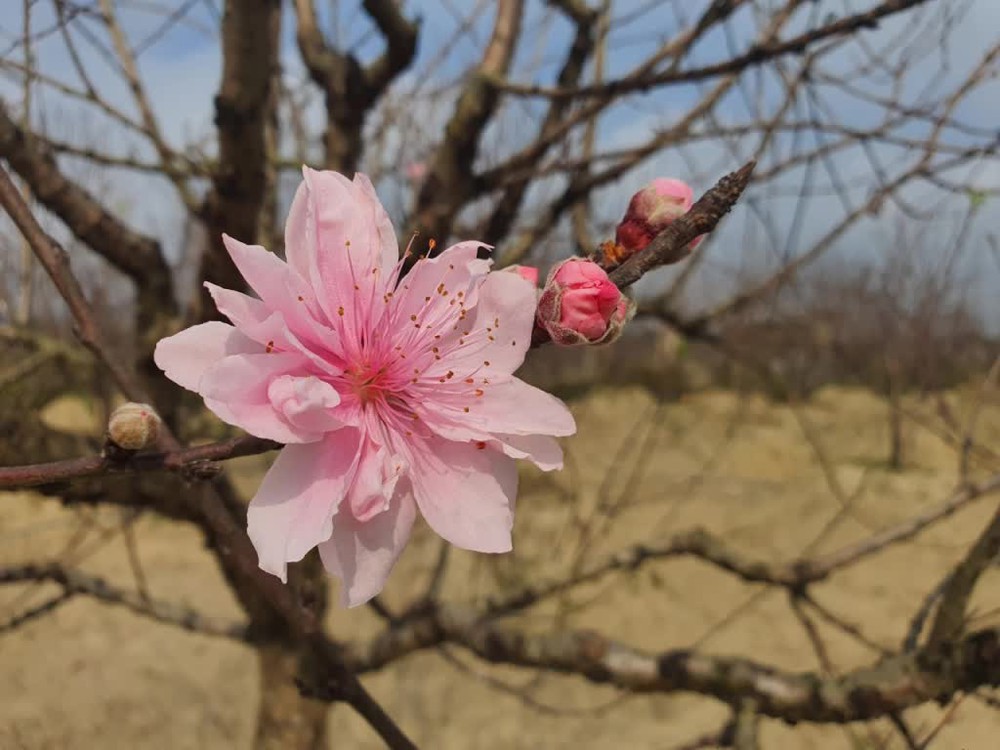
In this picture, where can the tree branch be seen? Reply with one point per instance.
(249, 58)
(450, 180)
(756, 55)
(350, 90)
(56, 264)
(195, 462)
(75, 582)
(134, 254)
(891, 685)
(673, 243)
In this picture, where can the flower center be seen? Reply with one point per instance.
(367, 383)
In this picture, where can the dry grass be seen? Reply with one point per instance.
(92, 676)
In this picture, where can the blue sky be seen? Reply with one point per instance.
(181, 72)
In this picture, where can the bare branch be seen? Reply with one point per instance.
(56, 263)
(75, 583)
(197, 462)
(250, 56)
(450, 180)
(672, 244)
(135, 254)
(756, 55)
(891, 685)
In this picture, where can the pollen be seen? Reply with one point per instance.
(340, 311)
(465, 409)
(301, 298)
(480, 444)
(269, 348)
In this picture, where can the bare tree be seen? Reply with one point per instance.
(511, 147)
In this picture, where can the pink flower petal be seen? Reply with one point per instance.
(255, 319)
(441, 278)
(378, 472)
(185, 356)
(293, 510)
(264, 271)
(354, 246)
(305, 403)
(384, 238)
(300, 235)
(542, 450)
(236, 389)
(510, 300)
(466, 493)
(363, 554)
(510, 408)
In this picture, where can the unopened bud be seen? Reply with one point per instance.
(581, 305)
(652, 210)
(133, 426)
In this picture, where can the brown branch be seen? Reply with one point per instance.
(56, 264)
(193, 462)
(507, 206)
(249, 59)
(33, 613)
(400, 44)
(756, 55)
(450, 180)
(527, 158)
(746, 726)
(134, 254)
(701, 544)
(75, 583)
(350, 89)
(950, 619)
(429, 625)
(892, 684)
(150, 124)
(672, 244)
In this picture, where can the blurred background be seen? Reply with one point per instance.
(817, 382)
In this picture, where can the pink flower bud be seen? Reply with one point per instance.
(651, 210)
(581, 305)
(528, 273)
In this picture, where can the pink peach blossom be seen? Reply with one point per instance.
(528, 273)
(392, 394)
(652, 210)
(581, 305)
